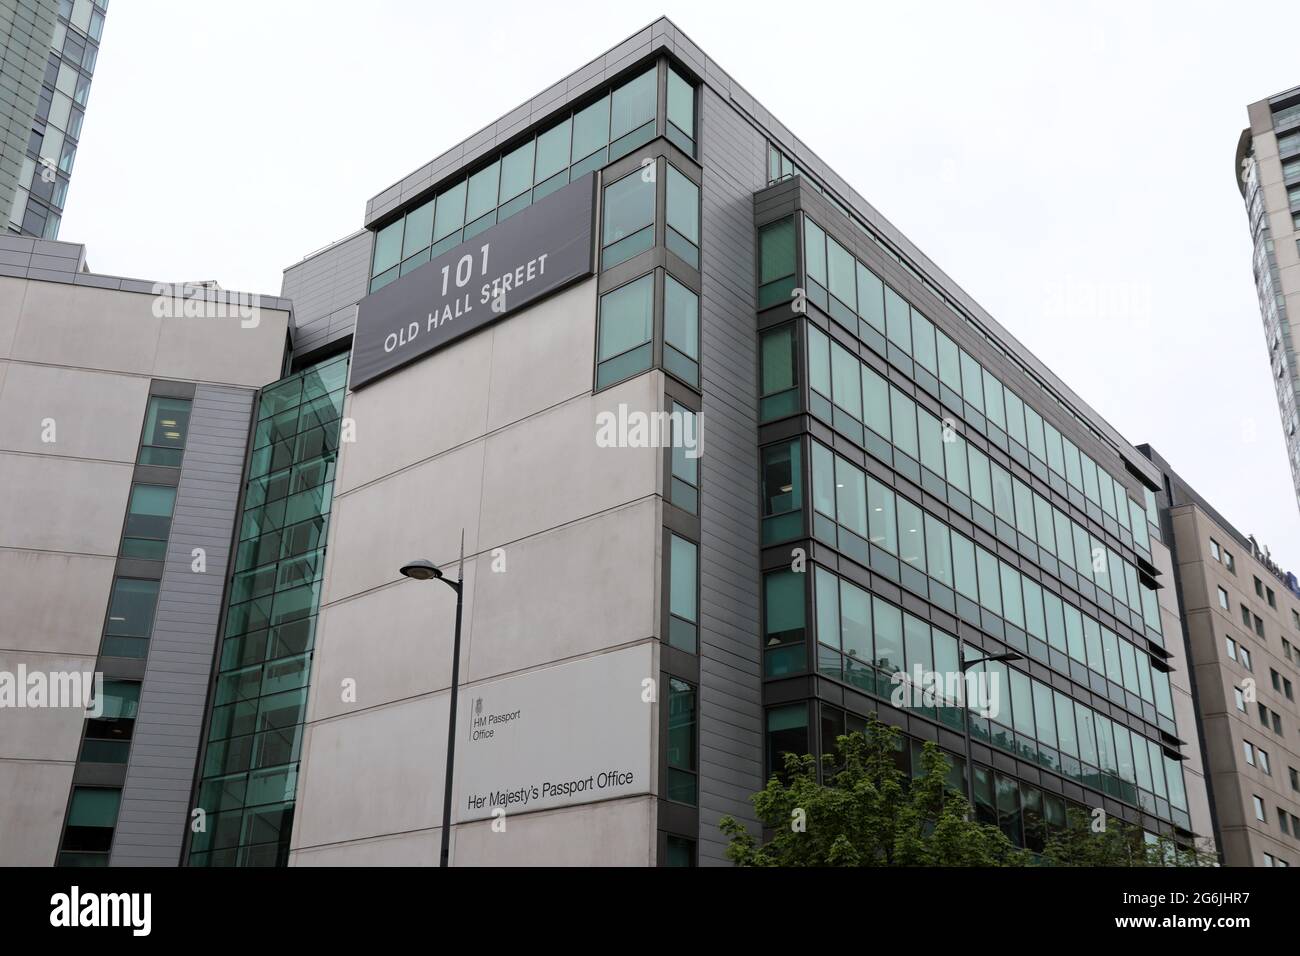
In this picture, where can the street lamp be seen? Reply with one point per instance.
(965, 666)
(424, 570)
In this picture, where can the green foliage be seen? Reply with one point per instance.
(1119, 844)
(868, 813)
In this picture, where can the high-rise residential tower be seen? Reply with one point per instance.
(48, 50)
(1268, 175)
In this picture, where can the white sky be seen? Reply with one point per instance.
(1071, 167)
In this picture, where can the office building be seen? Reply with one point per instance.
(1241, 617)
(124, 414)
(1268, 175)
(727, 454)
(48, 51)
(1029, 529)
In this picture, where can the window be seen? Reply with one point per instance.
(632, 114)
(148, 521)
(681, 742)
(626, 324)
(1223, 599)
(1259, 625)
(1270, 597)
(130, 618)
(681, 111)
(782, 494)
(681, 331)
(1245, 616)
(88, 834)
(776, 248)
(1287, 689)
(108, 737)
(685, 486)
(784, 623)
(629, 212)
(1239, 698)
(166, 423)
(1276, 679)
(787, 732)
(1228, 562)
(779, 375)
(1259, 587)
(683, 563)
(1262, 756)
(1249, 752)
(683, 214)
(681, 851)
(1259, 809)
(1214, 550)
(552, 161)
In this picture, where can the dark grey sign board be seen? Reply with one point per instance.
(504, 268)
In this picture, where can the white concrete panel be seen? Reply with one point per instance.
(373, 773)
(87, 327)
(95, 414)
(223, 349)
(12, 292)
(58, 504)
(394, 642)
(60, 599)
(543, 356)
(418, 412)
(44, 732)
(579, 589)
(405, 849)
(31, 817)
(548, 470)
(614, 833)
(417, 513)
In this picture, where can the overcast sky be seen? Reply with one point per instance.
(1071, 168)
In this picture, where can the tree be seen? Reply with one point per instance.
(867, 813)
(1116, 844)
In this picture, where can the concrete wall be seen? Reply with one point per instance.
(494, 435)
(84, 357)
(1243, 838)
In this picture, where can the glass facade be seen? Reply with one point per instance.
(947, 485)
(37, 207)
(254, 734)
(623, 119)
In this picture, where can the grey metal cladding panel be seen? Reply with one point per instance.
(155, 798)
(731, 750)
(325, 287)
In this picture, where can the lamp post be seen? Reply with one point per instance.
(965, 666)
(424, 570)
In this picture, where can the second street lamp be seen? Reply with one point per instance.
(965, 666)
(424, 570)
